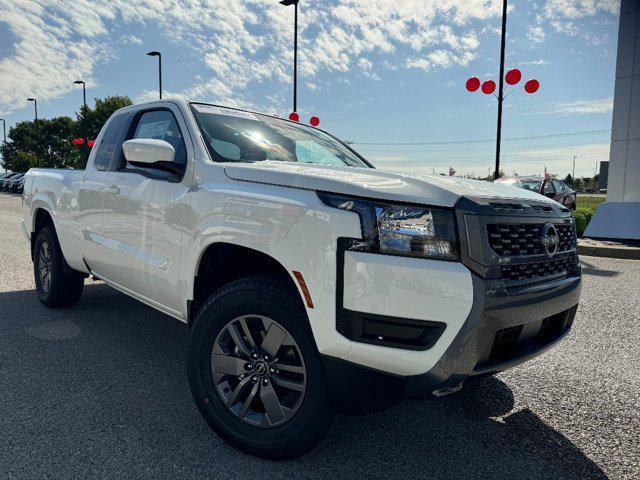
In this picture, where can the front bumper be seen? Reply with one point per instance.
(503, 329)
(421, 325)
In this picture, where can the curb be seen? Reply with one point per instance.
(608, 250)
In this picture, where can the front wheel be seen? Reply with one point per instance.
(255, 372)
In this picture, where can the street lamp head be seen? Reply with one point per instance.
(31, 99)
(153, 54)
(286, 3)
(79, 82)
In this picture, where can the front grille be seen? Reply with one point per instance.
(510, 240)
(538, 270)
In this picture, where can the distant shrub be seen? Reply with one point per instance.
(583, 217)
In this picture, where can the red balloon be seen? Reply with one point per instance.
(315, 121)
(513, 76)
(473, 84)
(78, 141)
(294, 117)
(532, 86)
(488, 87)
(91, 143)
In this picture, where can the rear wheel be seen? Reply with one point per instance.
(56, 285)
(255, 372)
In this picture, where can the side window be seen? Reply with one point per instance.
(161, 125)
(548, 188)
(559, 186)
(111, 142)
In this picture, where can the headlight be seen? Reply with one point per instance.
(396, 229)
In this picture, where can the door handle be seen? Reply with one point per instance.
(112, 190)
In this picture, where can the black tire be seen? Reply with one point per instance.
(262, 296)
(63, 286)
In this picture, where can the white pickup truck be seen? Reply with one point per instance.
(311, 282)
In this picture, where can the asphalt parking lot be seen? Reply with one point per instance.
(99, 391)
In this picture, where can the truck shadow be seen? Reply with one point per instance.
(101, 388)
(592, 269)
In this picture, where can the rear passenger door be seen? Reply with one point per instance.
(144, 213)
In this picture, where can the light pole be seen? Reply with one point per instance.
(512, 77)
(4, 135)
(159, 55)
(288, 3)
(35, 104)
(84, 117)
(496, 173)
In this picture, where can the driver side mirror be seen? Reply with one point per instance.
(148, 151)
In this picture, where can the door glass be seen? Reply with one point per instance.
(558, 185)
(161, 125)
(548, 188)
(111, 142)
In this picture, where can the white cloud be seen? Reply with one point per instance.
(577, 107)
(582, 107)
(536, 34)
(535, 63)
(241, 43)
(567, 17)
(130, 40)
(365, 64)
(248, 42)
(574, 9)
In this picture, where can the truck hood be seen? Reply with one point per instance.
(378, 184)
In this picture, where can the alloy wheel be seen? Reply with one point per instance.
(44, 267)
(258, 371)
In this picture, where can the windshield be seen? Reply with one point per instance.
(533, 185)
(238, 136)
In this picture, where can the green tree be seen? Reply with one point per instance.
(569, 180)
(99, 114)
(55, 148)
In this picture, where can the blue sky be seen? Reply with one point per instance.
(374, 71)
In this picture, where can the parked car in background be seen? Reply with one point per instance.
(551, 188)
(20, 187)
(15, 182)
(4, 182)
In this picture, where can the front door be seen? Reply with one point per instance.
(143, 216)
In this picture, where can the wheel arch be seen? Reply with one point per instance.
(41, 218)
(221, 263)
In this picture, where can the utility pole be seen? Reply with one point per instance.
(503, 40)
(573, 174)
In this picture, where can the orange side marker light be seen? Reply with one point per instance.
(303, 287)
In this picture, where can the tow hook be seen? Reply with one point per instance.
(441, 392)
